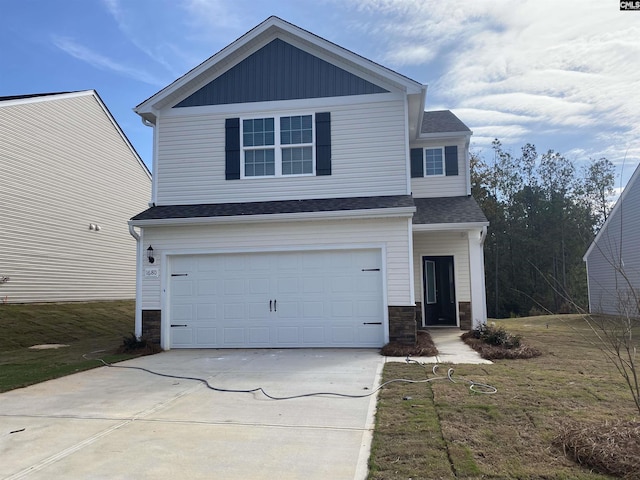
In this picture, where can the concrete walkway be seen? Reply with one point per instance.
(451, 349)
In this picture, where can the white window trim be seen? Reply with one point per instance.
(424, 162)
(277, 146)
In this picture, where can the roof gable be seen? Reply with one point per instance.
(280, 71)
(253, 41)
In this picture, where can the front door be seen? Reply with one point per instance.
(439, 295)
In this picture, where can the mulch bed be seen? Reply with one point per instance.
(424, 347)
(496, 352)
(612, 448)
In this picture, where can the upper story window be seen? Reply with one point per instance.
(276, 146)
(434, 161)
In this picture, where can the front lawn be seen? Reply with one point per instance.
(443, 430)
(97, 327)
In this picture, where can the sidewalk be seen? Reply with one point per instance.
(451, 349)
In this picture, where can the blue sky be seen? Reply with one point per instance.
(562, 75)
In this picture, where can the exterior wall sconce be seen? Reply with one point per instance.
(150, 254)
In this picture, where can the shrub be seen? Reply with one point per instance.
(493, 343)
(497, 336)
(139, 346)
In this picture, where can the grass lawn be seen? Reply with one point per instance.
(442, 430)
(85, 327)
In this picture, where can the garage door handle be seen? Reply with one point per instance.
(372, 323)
(179, 325)
(275, 305)
(270, 302)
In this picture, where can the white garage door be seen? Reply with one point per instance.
(293, 299)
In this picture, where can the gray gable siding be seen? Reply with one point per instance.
(280, 71)
(613, 260)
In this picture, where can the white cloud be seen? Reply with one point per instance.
(521, 70)
(101, 62)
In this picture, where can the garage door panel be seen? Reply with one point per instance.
(234, 336)
(208, 264)
(312, 285)
(343, 335)
(342, 284)
(235, 286)
(182, 288)
(313, 336)
(259, 335)
(182, 313)
(259, 286)
(288, 335)
(181, 337)
(313, 309)
(288, 310)
(206, 287)
(206, 337)
(323, 299)
(258, 310)
(206, 312)
(342, 309)
(234, 311)
(288, 284)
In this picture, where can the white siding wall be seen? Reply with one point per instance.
(64, 166)
(392, 233)
(616, 248)
(368, 157)
(445, 244)
(451, 186)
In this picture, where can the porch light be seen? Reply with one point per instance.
(150, 254)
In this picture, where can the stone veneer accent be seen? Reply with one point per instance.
(418, 315)
(402, 324)
(465, 315)
(151, 325)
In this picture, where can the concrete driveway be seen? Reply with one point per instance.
(122, 423)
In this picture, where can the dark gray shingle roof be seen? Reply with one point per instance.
(442, 121)
(447, 210)
(275, 207)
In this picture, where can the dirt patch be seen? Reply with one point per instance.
(48, 346)
(424, 347)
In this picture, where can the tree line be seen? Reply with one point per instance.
(544, 211)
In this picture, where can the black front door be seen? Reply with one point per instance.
(439, 296)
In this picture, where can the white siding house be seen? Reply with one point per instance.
(613, 258)
(302, 197)
(70, 181)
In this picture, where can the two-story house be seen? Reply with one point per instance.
(302, 197)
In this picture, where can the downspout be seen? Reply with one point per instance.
(138, 311)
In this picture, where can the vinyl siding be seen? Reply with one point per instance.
(368, 158)
(392, 233)
(616, 248)
(445, 244)
(64, 166)
(442, 186)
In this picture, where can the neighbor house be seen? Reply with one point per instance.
(302, 197)
(613, 258)
(69, 181)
